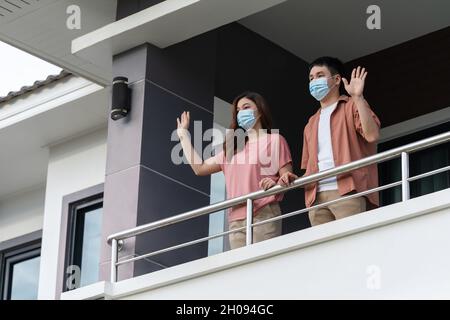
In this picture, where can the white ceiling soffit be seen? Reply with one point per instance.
(62, 110)
(164, 24)
(310, 29)
(39, 27)
(12, 9)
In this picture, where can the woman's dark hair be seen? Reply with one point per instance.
(264, 114)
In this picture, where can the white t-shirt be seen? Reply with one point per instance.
(325, 149)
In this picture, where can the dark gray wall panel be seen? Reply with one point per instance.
(128, 7)
(161, 110)
(142, 183)
(187, 68)
(164, 198)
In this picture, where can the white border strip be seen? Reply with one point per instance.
(129, 23)
(416, 124)
(52, 96)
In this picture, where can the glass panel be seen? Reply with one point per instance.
(389, 172)
(428, 160)
(420, 162)
(90, 256)
(25, 279)
(217, 220)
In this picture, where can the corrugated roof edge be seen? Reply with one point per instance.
(37, 84)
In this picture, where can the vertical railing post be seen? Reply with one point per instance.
(249, 231)
(405, 176)
(114, 250)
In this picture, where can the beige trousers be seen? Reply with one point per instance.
(260, 232)
(335, 211)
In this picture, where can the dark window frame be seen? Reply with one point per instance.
(385, 176)
(13, 251)
(89, 198)
(76, 219)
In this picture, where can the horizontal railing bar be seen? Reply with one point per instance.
(429, 173)
(147, 260)
(259, 223)
(179, 246)
(318, 206)
(377, 158)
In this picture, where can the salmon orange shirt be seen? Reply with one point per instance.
(348, 144)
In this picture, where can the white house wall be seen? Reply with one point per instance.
(22, 213)
(73, 166)
(404, 260)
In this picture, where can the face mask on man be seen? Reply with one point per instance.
(246, 118)
(319, 88)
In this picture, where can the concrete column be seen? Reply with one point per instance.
(142, 183)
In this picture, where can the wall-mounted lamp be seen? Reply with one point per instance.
(121, 98)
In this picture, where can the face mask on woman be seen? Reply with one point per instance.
(246, 118)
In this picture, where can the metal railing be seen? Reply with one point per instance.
(403, 151)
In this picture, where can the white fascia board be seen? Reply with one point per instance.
(415, 124)
(164, 24)
(45, 99)
(96, 291)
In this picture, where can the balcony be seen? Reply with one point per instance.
(396, 251)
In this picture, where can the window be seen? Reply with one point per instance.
(84, 241)
(420, 162)
(19, 270)
(218, 220)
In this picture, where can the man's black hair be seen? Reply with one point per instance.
(333, 64)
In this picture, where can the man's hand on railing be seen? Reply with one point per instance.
(286, 179)
(267, 183)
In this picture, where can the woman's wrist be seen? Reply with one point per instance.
(182, 134)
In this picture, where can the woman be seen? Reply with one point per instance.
(262, 160)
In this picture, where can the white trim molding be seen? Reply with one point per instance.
(164, 24)
(45, 99)
(416, 124)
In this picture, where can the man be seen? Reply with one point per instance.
(344, 129)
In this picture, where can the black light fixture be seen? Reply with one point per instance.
(120, 105)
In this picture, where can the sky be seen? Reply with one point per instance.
(18, 69)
